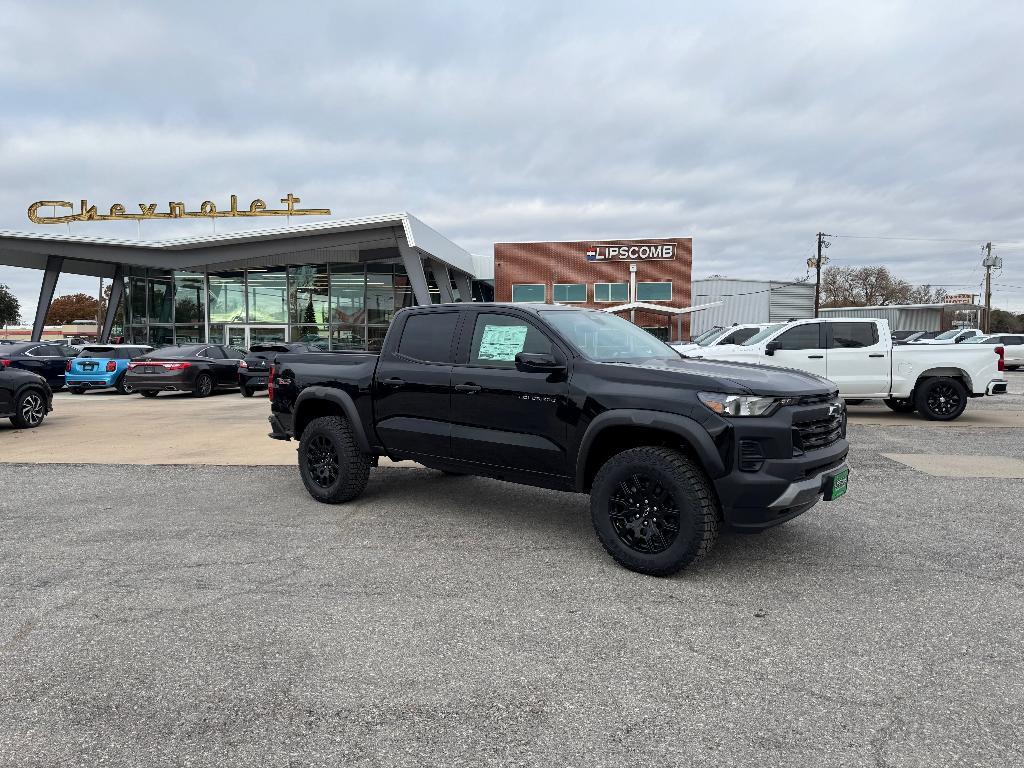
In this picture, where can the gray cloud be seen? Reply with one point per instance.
(748, 126)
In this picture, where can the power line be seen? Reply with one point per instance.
(977, 241)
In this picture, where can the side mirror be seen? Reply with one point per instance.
(770, 347)
(536, 362)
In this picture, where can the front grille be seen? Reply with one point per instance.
(818, 399)
(819, 433)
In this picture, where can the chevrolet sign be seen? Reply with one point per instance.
(635, 252)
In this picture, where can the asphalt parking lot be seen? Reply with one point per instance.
(180, 612)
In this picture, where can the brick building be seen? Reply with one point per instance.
(600, 274)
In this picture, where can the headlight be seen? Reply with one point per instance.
(742, 405)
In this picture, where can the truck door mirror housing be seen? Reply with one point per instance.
(538, 362)
(770, 347)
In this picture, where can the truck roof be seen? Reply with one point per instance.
(529, 307)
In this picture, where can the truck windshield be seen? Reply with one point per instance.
(947, 334)
(759, 337)
(708, 335)
(606, 338)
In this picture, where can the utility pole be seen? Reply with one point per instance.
(988, 263)
(817, 264)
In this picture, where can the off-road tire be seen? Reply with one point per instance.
(691, 492)
(246, 392)
(332, 434)
(900, 404)
(926, 393)
(29, 409)
(203, 385)
(122, 387)
(148, 392)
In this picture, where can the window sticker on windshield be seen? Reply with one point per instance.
(502, 342)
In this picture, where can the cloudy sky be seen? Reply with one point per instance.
(749, 126)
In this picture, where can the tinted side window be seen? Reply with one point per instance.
(497, 339)
(801, 337)
(853, 335)
(738, 337)
(214, 353)
(234, 354)
(428, 336)
(46, 350)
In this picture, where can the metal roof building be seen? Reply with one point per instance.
(750, 301)
(337, 281)
(908, 317)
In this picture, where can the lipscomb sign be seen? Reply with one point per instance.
(632, 252)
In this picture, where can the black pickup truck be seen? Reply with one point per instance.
(670, 449)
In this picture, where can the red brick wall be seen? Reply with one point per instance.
(551, 263)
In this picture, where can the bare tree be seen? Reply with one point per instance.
(870, 287)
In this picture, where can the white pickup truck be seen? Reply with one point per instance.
(859, 356)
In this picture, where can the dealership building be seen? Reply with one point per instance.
(335, 282)
(646, 280)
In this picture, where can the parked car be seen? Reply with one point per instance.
(48, 359)
(102, 366)
(1012, 344)
(253, 370)
(736, 334)
(195, 368)
(574, 399)
(900, 337)
(955, 336)
(859, 356)
(25, 397)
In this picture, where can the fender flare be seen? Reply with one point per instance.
(39, 386)
(339, 398)
(692, 431)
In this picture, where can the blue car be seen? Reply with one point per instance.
(102, 366)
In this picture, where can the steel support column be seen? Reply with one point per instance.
(417, 277)
(443, 280)
(464, 284)
(116, 294)
(50, 276)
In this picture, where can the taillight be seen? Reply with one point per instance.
(4, 363)
(242, 364)
(111, 366)
(1001, 365)
(68, 366)
(270, 384)
(176, 366)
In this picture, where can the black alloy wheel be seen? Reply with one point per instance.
(331, 465)
(941, 399)
(203, 385)
(322, 462)
(653, 509)
(246, 391)
(644, 514)
(30, 410)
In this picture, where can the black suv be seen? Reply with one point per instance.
(668, 448)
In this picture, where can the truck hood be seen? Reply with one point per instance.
(734, 378)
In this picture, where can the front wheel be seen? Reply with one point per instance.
(246, 392)
(653, 510)
(29, 410)
(940, 399)
(330, 463)
(203, 385)
(899, 404)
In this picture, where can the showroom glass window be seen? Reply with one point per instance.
(611, 292)
(309, 294)
(530, 292)
(189, 298)
(567, 293)
(348, 285)
(161, 299)
(268, 295)
(137, 299)
(654, 291)
(227, 297)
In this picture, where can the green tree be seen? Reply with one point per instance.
(10, 308)
(75, 306)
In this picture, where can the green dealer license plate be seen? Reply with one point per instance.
(837, 485)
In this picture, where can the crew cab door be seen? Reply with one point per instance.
(412, 386)
(502, 416)
(858, 360)
(801, 347)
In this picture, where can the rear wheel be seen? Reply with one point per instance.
(148, 392)
(653, 510)
(203, 385)
(940, 399)
(29, 409)
(246, 392)
(900, 404)
(122, 386)
(330, 463)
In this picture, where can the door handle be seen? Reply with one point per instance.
(469, 389)
(815, 357)
(394, 381)
(877, 354)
